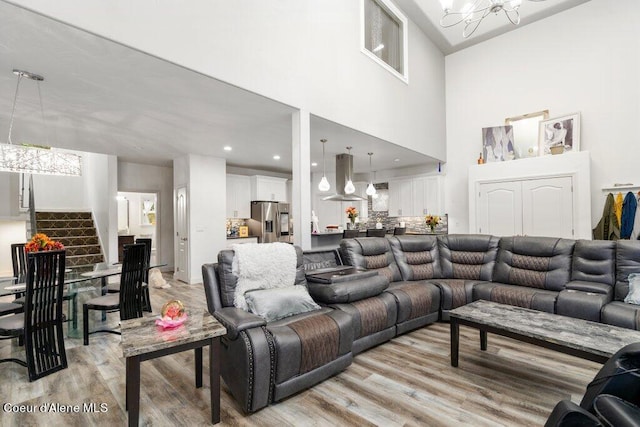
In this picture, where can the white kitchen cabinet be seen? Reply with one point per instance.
(231, 242)
(427, 196)
(401, 197)
(238, 196)
(268, 188)
(532, 207)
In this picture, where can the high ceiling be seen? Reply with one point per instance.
(427, 13)
(101, 96)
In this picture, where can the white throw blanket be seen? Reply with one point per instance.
(262, 266)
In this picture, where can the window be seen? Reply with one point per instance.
(384, 36)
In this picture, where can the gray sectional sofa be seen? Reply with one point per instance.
(404, 283)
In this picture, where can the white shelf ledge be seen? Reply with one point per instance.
(621, 187)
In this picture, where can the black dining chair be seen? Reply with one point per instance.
(115, 287)
(19, 261)
(399, 231)
(376, 232)
(130, 300)
(350, 234)
(40, 326)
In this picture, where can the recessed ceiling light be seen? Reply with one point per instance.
(227, 148)
(314, 164)
(396, 160)
(276, 157)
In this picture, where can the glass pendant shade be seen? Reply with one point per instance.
(349, 188)
(371, 190)
(324, 184)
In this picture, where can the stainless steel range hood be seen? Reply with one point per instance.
(344, 165)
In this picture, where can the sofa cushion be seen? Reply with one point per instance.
(275, 304)
(349, 288)
(467, 256)
(454, 293)
(417, 256)
(415, 299)
(594, 261)
(371, 253)
(627, 262)
(371, 315)
(535, 262)
(621, 314)
(520, 296)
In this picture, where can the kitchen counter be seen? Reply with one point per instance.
(238, 237)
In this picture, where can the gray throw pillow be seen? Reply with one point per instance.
(278, 303)
(633, 297)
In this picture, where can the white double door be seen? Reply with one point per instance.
(533, 207)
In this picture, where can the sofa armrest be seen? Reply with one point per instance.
(566, 414)
(349, 290)
(593, 287)
(237, 320)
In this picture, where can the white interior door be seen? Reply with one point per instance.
(499, 209)
(182, 236)
(547, 207)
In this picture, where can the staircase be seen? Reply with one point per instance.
(76, 231)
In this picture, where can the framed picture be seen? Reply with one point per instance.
(559, 135)
(497, 144)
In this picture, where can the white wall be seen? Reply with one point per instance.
(10, 232)
(205, 178)
(158, 179)
(9, 183)
(302, 53)
(585, 59)
(100, 191)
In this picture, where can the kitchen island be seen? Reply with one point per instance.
(331, 239)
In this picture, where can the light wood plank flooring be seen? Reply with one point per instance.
(407, 381)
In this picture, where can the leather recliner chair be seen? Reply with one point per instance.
(612, 398)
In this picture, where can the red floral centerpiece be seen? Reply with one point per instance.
(173, 315)
(42, 242)
(352, 214)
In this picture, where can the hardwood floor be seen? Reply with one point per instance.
(407, 381)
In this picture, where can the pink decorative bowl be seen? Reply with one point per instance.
(168, 323)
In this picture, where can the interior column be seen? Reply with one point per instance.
(301, 188)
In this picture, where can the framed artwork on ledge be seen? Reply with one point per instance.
(497, 144)
(559, 135)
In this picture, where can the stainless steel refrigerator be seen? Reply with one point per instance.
(271, 222)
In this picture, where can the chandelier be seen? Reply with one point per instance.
(32, 158)
(474, 11)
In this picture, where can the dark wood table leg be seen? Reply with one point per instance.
(103, 291)
(133, 389)
(483, 340)
(455, 337)
(198, 352)
(214, 378)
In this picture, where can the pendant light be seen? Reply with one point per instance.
(371, 190)
(35, 158)
(349, 188)
(324, 183)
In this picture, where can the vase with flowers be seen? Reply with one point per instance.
(41, 242)
(352, 214)
(432, 221)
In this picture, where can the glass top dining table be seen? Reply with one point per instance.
(86, 282)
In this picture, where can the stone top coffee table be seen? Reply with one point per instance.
(577, 337)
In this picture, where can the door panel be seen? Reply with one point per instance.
(547, 206)
(182, 236)
(500, 209)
